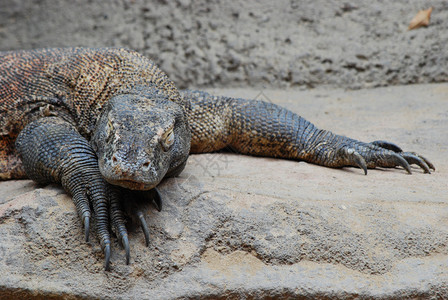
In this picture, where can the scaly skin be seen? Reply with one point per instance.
(105, 123)
(264, 129)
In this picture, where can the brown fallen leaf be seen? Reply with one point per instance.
(421, 19)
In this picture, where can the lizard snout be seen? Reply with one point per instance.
(142, 165)
(139, 174)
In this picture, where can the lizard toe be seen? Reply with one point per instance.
(106, 251)
(118, 221)
(125, 243)
(353, 158)
(413, 158)
(144, 226)
(157, 199)
(86, 221)
(387, 145)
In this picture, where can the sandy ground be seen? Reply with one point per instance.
(240, 226)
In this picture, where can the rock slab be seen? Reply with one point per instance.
(242, 227)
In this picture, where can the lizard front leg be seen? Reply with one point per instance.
(53, 151)
(265, 129)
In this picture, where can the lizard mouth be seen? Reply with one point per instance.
(137, 182)
(133, 185)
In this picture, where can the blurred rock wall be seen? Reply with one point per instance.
(240, 43)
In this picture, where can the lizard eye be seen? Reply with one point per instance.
(168, 140)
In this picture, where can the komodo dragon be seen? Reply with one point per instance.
(103, 122)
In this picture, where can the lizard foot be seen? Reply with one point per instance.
(410, 157)
(136, 203)
(382, 154)
(89, 189)
(95, 193)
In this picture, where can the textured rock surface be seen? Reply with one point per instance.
(248, 43)
(239, 226)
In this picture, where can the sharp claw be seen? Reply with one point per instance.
(415, 159)
(360, 162)
(107, 257)
(144, 226)
(400, 161)
(125, 242)
(86, 227)
(428, 163)
(157, 200)
(355, 158)
(387, 145)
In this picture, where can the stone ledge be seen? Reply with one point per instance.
(236, 226)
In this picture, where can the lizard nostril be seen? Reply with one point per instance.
(114, 159)
(146, 165)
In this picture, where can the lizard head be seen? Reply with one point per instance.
(141, 138)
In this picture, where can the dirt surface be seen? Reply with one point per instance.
(240, 226)
(242, 43)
